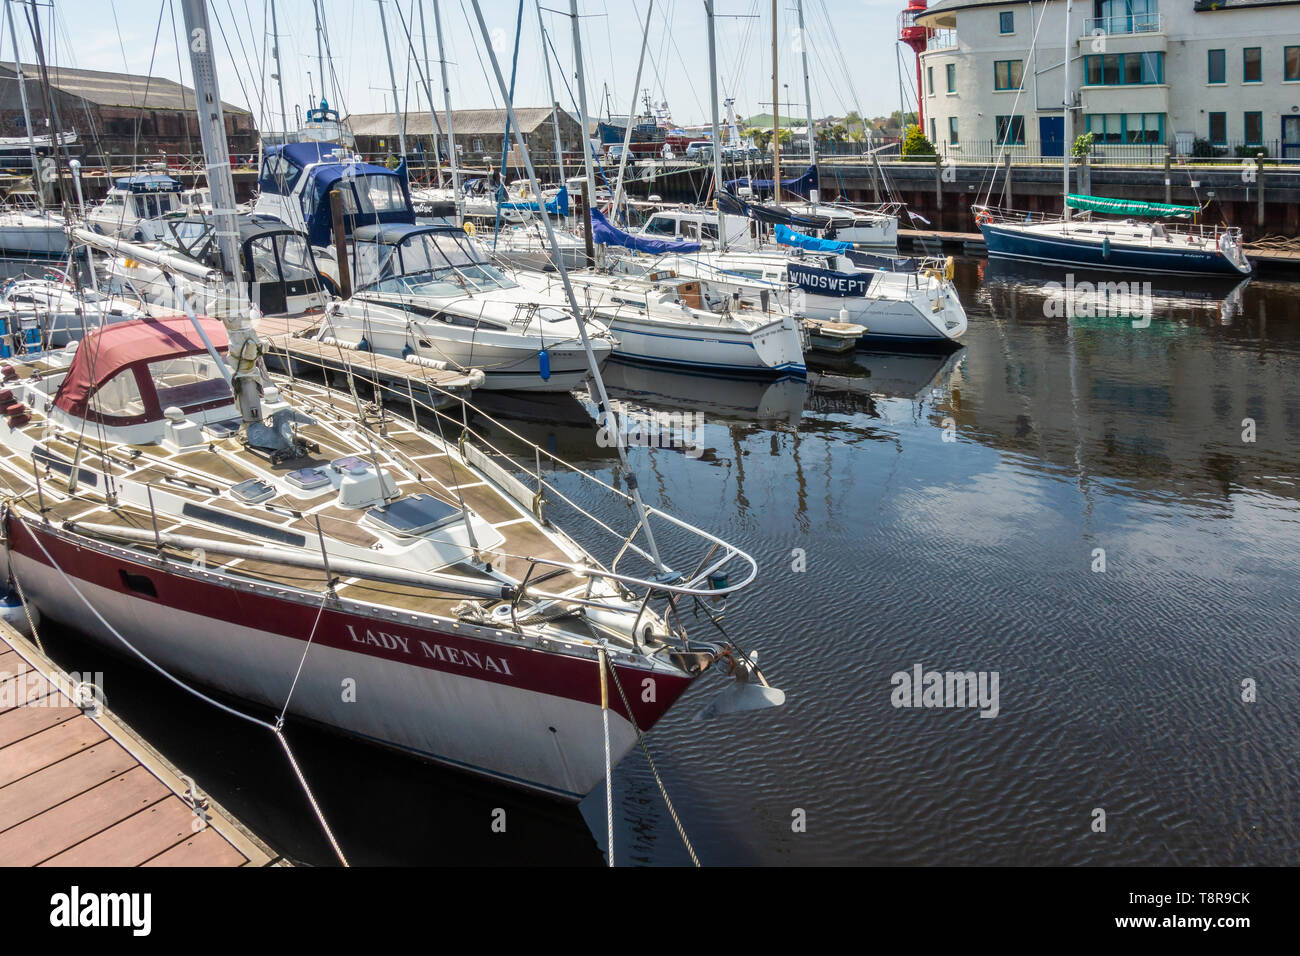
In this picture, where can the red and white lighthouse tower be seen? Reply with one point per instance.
(916, 37)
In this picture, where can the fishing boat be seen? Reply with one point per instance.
(1142, 241)
(428, 295)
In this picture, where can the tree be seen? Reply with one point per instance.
(1082, 145)
(915, 143)
(759, 136)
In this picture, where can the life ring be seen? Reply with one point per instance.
(983, 217)
(470, 229)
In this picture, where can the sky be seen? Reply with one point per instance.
(852, 66)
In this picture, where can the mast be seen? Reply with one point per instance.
(27, 113)
(627, 133)
(555, 104)
(428, 94)
(807, 95)
(1069, 120)
(717, 136)
(451, 133)
(582, 105)
(603, 410)
(51, 109)
(216, 154)
(279, 69)
(776, 116)
(320, 49)
(392, 79)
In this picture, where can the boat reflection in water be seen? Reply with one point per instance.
(1092, 294)
(777, 403)
(912, 376)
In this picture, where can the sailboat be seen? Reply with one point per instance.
(271, 538)
(1145, 239)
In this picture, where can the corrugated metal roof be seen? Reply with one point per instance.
(112, 89)
(467, 122)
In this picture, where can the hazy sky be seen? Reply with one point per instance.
(119, 35)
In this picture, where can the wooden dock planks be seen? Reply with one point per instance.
(80, 789)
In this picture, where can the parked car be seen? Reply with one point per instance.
(700, 150)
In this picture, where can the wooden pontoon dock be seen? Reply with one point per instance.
(79, 788)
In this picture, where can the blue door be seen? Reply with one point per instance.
(1291, 137)
(1051, 134)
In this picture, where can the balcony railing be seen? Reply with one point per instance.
(1125, 23)
(942, 40)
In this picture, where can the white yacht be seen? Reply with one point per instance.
(50, 312)
(427, 294)
(32, 232)
(137, 206)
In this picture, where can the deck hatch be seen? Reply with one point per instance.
(414, 515)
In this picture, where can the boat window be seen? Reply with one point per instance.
(381, 193)
(261, 254)
(188, 381)
(281, 171)
(119, 397)
(253, 490)
(295, 257)
(424, 251)
(709, 230)
(661, 226)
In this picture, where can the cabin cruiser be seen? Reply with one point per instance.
(428, 295)
(254, 536)
(870, 227)
(49, 312)
(137, 206)
(664, 318)
(279, 273)
(526, 246)
(295, 184)
(1143, 244)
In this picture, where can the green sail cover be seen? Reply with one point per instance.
(1126, 207)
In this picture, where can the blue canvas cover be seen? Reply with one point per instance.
(788, 237)
(559, 206)
(148, 183)
(603, 232)
(799, 186)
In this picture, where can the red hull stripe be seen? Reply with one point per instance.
(524, 667)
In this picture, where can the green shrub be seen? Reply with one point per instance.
(915, 143)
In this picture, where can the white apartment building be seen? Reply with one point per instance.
(1145, 75)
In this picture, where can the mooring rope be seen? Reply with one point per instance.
(672, 812)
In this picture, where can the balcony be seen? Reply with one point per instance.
(1124, 23)
(941, 40)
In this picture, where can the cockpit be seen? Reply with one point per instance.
(422, 261)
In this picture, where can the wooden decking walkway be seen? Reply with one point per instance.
(79, 788)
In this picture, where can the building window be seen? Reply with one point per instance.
(1218, 128)
(929, 80)
(1007, 22)
(952, 130)
(1291, 63)
(1127, 16)
(952, 77)
(933, 136)
(1251, 65)
(1124, 69)
(1127, 127)
(1011, 130)
(1007, 73)
(1254, 128)
(477, 145)
(1218, 67)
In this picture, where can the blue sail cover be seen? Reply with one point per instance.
(799, 186)
(559, 206)
(788, 237)
(604, 233)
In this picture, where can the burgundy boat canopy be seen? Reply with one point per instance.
(130, 347)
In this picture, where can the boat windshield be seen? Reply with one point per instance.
(438, 263)
(188, 381)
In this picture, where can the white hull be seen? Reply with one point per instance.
(772, 348)
(480, 725)
(36, 238)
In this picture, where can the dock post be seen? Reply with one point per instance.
(1007, 198)
(938, 191)
(1169, 183)
(875, 178)
(586, 226)
(1259, 190)
(340, 244)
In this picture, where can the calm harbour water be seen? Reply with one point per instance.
(1119, 690)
